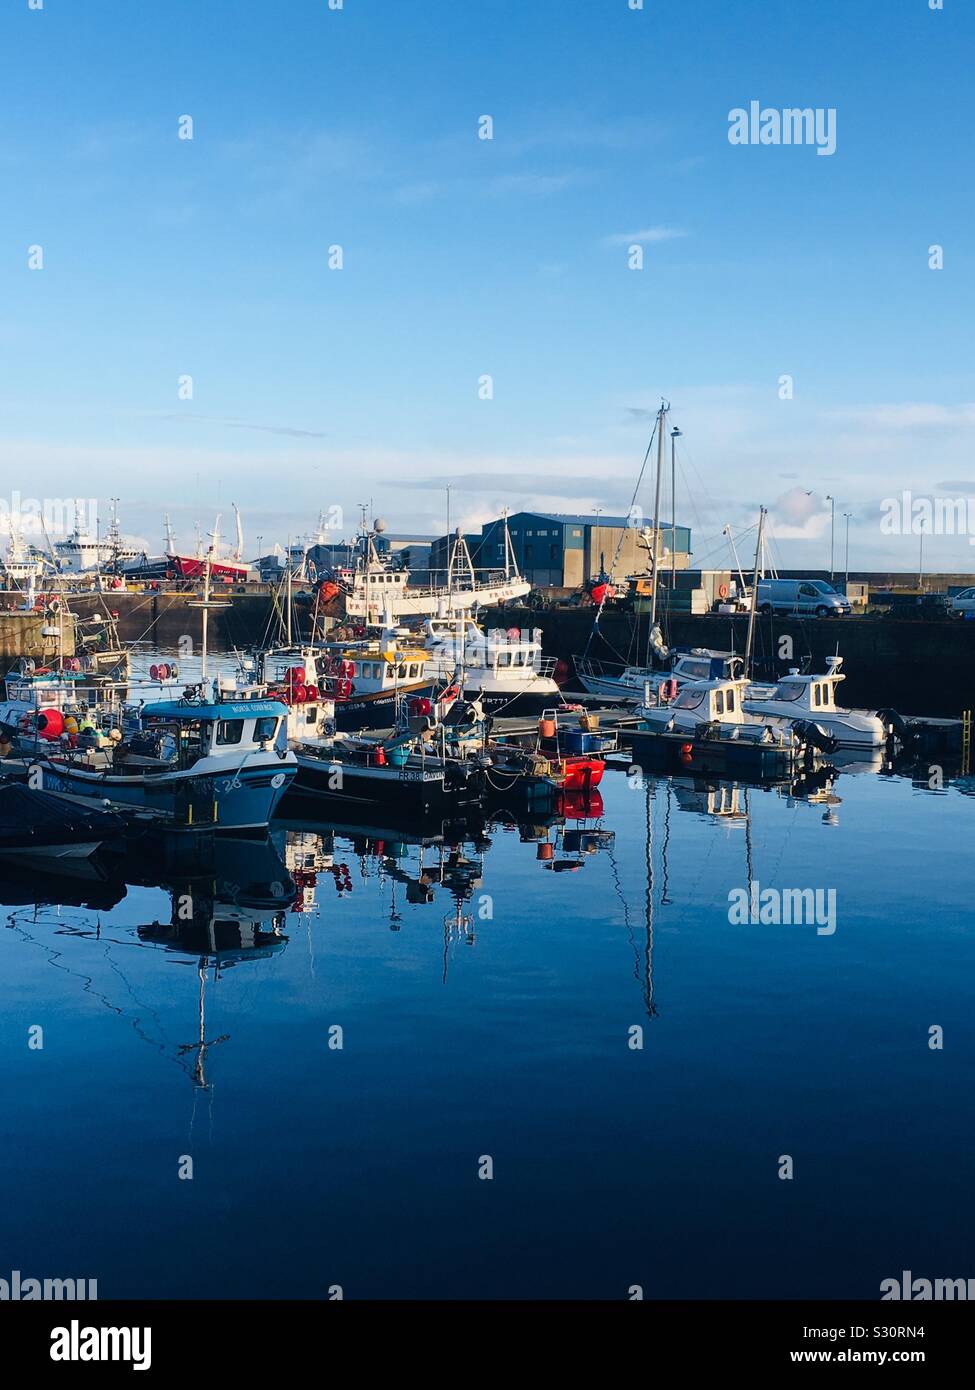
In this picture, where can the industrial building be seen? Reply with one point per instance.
(559, 550)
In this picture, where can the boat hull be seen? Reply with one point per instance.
(400, 791)
(375, 709)
(682, 752)
(242, 799)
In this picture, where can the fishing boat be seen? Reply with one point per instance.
(503, 669)
(21, 568)
(566, 751)
(812, 699)
(408, 773)
(189, 762)
(364, 679)
(629, 683)
(373, 588)
(226, 569)
(705, 729)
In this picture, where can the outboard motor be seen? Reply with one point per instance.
(812, 733)
(896, 725)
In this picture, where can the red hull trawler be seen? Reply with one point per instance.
(194, 566)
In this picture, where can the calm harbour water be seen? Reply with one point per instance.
(495, 1019)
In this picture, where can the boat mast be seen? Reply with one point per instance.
(661, 422)
(759, 551)
(206, 612)
(674, 434)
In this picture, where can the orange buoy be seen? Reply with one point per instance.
(50, 724)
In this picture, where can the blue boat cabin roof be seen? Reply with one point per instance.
(227, 709)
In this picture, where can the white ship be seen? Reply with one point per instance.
(375, 592)
(83, 553)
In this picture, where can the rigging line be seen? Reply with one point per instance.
(619, 544)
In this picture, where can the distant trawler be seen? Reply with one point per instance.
(375, 593)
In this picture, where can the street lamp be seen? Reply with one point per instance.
(832, 525)
(847, 515)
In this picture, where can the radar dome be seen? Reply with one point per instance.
(379, 524)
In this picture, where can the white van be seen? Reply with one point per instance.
(810, 596)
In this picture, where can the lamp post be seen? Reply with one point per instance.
(847, 515)
(832, 531)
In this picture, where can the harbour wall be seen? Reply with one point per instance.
(912, 665)
(20, 635)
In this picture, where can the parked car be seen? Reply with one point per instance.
(810, 596)
(962, 604)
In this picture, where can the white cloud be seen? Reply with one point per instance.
(643, 238)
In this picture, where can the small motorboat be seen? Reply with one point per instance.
(37, 824)
(798, 699)
(707, 729)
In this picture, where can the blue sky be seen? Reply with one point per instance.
(315, 388)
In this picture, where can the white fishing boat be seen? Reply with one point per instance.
(713, 701)
(21, 567)
(629, 683)
(373, 588)
(812, 698)
(504, 669)
(705, 728)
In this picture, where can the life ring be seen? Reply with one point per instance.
(343, 688)
(668, 689)
(722, 591)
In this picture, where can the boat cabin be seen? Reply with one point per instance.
(809, 694)
(712, 701)
(180, 733)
